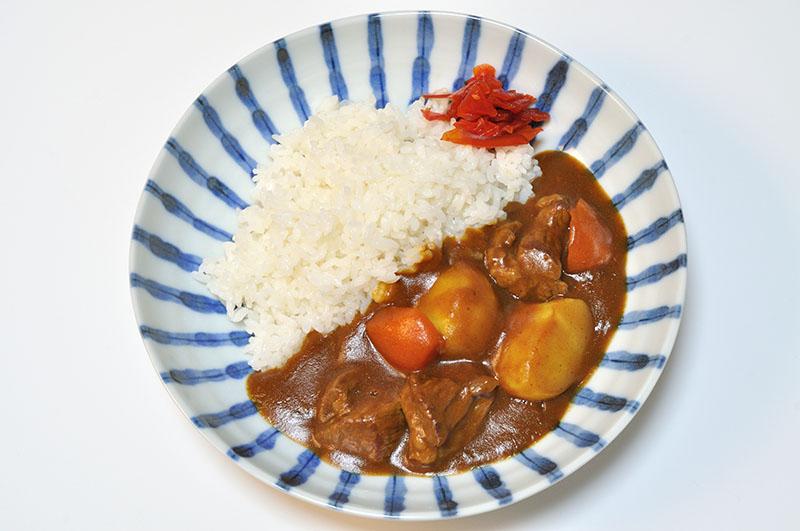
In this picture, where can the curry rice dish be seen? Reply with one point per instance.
(469, 342)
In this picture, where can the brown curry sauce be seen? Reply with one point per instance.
(288, 396)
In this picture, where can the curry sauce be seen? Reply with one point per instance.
(289, 397)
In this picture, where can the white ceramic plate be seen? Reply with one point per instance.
(203, 175)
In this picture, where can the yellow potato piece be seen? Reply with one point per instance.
(462, 306)
(543, 352)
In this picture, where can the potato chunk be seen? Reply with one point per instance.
(543, 352)
(462, 306)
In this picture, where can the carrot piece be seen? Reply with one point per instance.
(404, 337)
(590, 241)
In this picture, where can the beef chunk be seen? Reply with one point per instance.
(526, 260)
(359, 413)
(443, 415)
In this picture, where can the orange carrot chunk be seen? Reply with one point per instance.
(590, 240)
(404, 337)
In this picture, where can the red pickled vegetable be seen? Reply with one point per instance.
(487, 115)
(523, 136)
(405, 337)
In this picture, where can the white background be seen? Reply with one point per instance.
(90, 438)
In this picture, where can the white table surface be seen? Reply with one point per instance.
(90, 438)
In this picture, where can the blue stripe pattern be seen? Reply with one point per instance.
(234, 371)
(238, 338)
(181, 211)
(307, 463)
(421, 71)
(512, 59)
(341, 494)
(338, 85)
(604, 402)
(540, 464)
(201, 177)
(265, 441)
(166, 251)
(620, 148)
(556, 78)
(579, 437)
(656, 272)
(578, 129)
(469, 51)
(628, 361)
(643, 317)
(260, 118)
(377, 76)
(235, 412)
(656, 229)
(640, 185)
(394, 501)
(444, 496)
(296, 94)
(193, 301)
(228, 141)
(490, 480)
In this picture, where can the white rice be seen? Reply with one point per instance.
(345, 203)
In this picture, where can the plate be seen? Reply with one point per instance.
(202, 177)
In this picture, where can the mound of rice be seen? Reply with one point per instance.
(345, 203)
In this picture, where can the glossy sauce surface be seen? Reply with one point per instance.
(288, 396)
